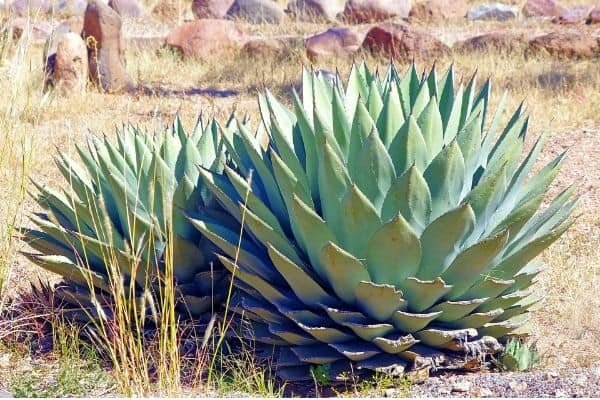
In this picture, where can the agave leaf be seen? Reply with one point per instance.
(333, 185)
(362, 126)
(454, 310)
(467, 266)
(304, 286)
(378, 301)
(393, 252)
(442, 240)
(408, 147)
(314, 234)
(420, 295)
(344, 272)
(357, 214)
(445, 178)
(390, 120)
(410, 322)
(409, 195)
(430, 124)
(374, 171)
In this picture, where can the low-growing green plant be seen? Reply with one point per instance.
(391, 222)
(518, 356)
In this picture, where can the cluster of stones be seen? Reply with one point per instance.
(88, 45)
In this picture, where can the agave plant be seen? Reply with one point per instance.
(390, 222)
(120, 220)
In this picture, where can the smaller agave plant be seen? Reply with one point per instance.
(120, 218)
(390, 223)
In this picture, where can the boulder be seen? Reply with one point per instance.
(496, 41)
(573, 15)
(594, 16)
(256, 11)
(542, 8)
(360, 11)
(567, 44)
(335, 42)
(492, 11)
(102, 34)
(127, 8)
(38, 31)
(70, 70)
(401, 41)
(207, 38)
(211, 8)
(438, 10)
(315, 10)
(272, 47)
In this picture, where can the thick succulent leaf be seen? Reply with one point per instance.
(341, 123)
(317, 354)
(343, 271)
(374, 101)
(430, 123)
(369, 332)
(442, 240)
(454, 310)
(314, 234)
(378, 301)
(357, 350)
(393, 253)
(408, 148)
(304, 126)
(411, 322)
(362, 126)
(486, 286)
(384, 363)
(357, 214)
(445, 178)
(333, 184)
(420, 295)
(476, 320)
(440, 338)
(374, 171)
(390, 120)
(301, 283)
(468, 265)
(409, 195)
(394, 344)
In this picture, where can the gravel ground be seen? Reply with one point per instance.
(549, 383)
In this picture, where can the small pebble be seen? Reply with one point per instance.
(559, 393)
(551, 375)
(580, 380)
(391, 392)
(461, 387)
(482, 392)
(518, 387)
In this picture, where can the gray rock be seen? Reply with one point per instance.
(5, 395)
(127, 8)
(256, 11)
(492, 11)
(461, 387)
(315, 10)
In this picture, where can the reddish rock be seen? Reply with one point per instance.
(70, 74)
(278, 47)
(206, 38)
(359, 11)
(594, 17)
(102, 34)
(401, 41)
(498, 41)
(211, 8)
(39, 31)
(127, 8)
(573, 15)
(542, 8)
(567, 44)
(438, 10)
(315, 10)
(335, 42)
